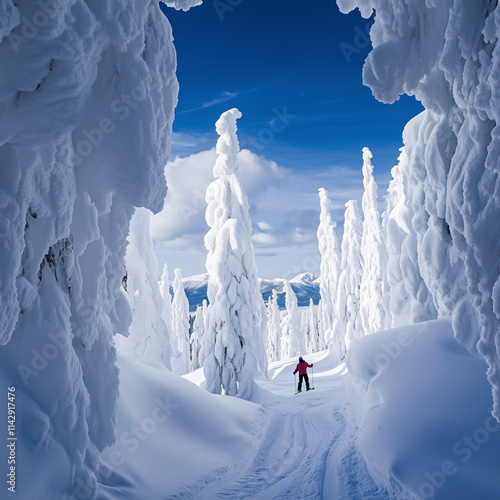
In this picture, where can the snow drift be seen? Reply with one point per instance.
(439, 443)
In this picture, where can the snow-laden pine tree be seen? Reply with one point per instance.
(149, 336)
(312, 318)
(330, 266)
(291, 334)
(273, 328)
(321, 337)
(235, 337)
(166, 296)
(348, 326)
(197, 335)
(180, 324)
(203, 319)
(304, 328)
(373, 253)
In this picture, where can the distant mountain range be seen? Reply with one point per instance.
(305, 285)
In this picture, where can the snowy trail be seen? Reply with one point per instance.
(305, 450)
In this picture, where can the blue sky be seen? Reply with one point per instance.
(294, 69)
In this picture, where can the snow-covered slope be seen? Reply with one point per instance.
(418, 407)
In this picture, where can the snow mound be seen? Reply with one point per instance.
(168, 427)
(425, 405)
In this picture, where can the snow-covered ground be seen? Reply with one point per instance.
(410, 407)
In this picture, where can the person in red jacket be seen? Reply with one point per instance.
(302, 369)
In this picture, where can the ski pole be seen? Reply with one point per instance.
(294, 382)
(312, 376)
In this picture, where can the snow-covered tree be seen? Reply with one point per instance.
(180, 323)
(72, 174)
(273, 328)
(321, 337)
(348, 321)
(292, 341)
(149, 336)
(312, 318)
(453, 173)
(166, 296)
(197, 335)
(234, 343)
(203, 319)
(330, 266)
(373, 253)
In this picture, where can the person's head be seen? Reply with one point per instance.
(301, 359)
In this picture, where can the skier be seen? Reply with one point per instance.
(302, 369)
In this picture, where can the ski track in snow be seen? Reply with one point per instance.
(305, 448)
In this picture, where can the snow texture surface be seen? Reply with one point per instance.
(86, 115)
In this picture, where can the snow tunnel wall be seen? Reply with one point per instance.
(87, 94)
(446, 53)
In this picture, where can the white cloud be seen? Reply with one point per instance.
(284, 207)
(181, 223)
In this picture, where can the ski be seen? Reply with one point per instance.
(311, 389)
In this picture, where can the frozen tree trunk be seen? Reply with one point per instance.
(149, 336)
(235, 338)
(348, 321)
(330, 266)
(293, 341)
(373, 254)
(180, 324)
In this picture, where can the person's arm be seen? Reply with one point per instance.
(310, 365)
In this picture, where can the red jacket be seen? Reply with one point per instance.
(302, 368)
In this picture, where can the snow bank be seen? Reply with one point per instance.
(86, 115)
(447, 54)
(425, 405)
(171, 434)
